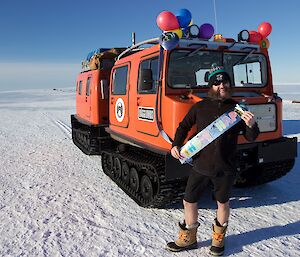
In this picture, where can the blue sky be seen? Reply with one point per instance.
(44, 41)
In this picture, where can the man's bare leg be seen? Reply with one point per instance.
(190, 213)
(223, 212)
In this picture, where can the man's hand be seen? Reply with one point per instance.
(249, 119)
(175, 153)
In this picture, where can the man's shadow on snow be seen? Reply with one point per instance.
(283, 190)
(235, 243)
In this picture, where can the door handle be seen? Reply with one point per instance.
(112, 100)
(138, 101)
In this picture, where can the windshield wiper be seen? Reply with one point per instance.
(191, 54)
(197, 50)
(245, 58)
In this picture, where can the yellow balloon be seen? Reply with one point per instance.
(178, 32)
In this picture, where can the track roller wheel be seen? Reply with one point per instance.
(107, 164)
(117, 167)
(146, 188)
(134, 180)
(125, 173)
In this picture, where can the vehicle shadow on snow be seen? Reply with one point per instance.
(236, 243)
(291, 127)
(264, 195)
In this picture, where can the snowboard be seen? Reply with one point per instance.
(211, 132)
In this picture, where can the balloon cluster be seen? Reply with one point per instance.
(260, 36)
(177, 26)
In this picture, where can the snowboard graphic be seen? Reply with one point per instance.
(211, 132)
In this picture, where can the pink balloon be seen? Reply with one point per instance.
(167, 21)
(254, 36)
(265, 29)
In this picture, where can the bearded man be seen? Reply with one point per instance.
(215, 164)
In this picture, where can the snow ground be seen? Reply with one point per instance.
(56, 201)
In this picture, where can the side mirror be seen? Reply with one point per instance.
(206, 76)
(145, 80)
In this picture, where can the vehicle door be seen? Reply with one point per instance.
(118, 106)
(87, 99)
(146, 96)
(80, 98)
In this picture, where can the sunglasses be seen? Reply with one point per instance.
(218, 82)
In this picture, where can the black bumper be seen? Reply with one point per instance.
(283, 149)
(278, 150)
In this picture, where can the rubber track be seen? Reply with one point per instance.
(265, 173)
(275, 171)
(166, 193)
(89, 145)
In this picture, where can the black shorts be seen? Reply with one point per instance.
(197, 184)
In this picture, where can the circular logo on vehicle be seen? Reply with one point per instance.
(120, 110)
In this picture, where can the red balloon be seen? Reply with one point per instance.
(167, 21)
(254, 36)
(265, 29)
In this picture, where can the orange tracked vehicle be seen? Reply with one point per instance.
(129, 107)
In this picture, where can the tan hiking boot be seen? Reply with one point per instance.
(187, 238)
(218, 238)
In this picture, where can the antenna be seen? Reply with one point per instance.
(215, 10)
(133, 38)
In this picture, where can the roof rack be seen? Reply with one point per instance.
(149, 41)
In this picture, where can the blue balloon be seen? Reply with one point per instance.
(184, 18)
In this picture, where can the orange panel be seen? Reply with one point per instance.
(89, 104)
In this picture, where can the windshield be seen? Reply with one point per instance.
(189, 69)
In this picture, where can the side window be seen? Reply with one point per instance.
(80, 87)
(88, 86)
(151, 65)
(120, 81)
